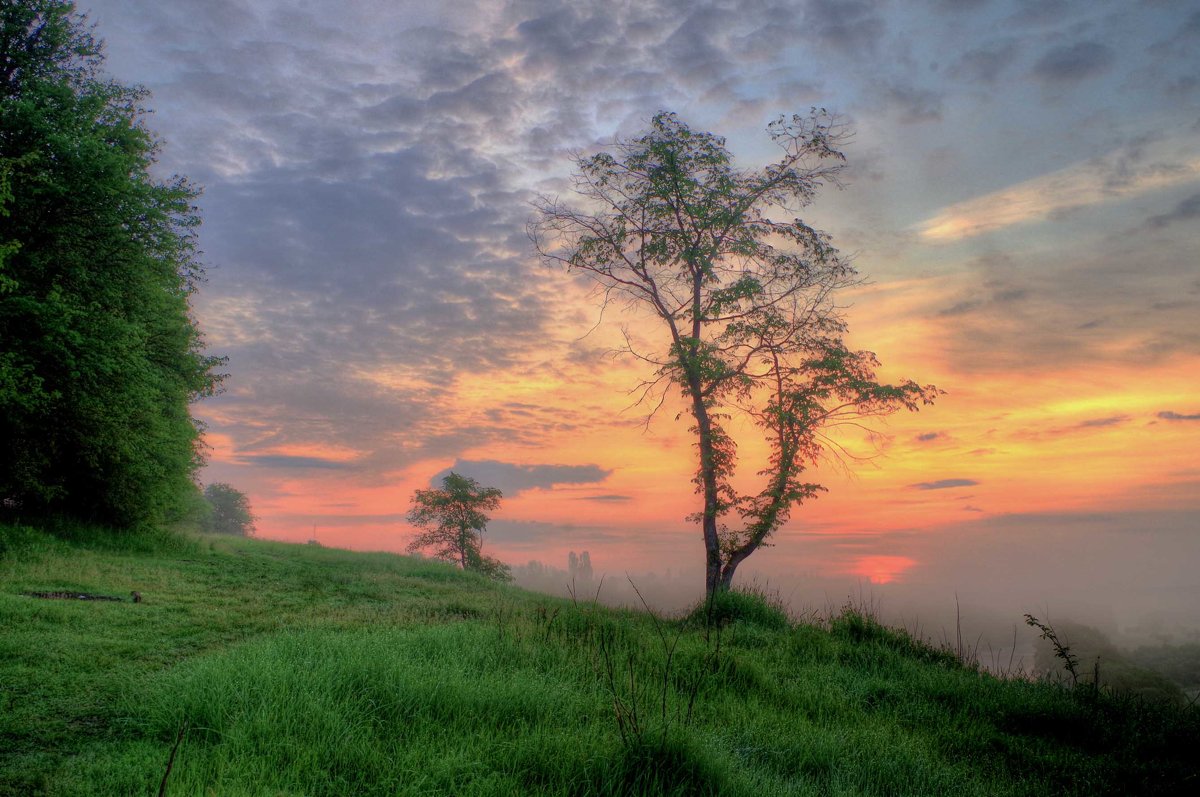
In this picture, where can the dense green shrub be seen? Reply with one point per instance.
(749, 606)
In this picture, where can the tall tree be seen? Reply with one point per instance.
(99, 353)
(452, 520)
(743, 301)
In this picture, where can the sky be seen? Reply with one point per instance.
(1022, 191)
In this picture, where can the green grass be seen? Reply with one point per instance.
(299, 670)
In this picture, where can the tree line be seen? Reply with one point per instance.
(100, 356)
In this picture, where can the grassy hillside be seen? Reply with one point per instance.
(298, 670)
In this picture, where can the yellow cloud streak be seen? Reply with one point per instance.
(1080, 185)
(1032, 448)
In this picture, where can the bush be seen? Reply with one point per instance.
(751, 606)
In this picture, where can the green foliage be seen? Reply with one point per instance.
(228, 511)
(16, 537)
(875, 642)
(99, 355)
(1179, 662)
(452, 522)
(56, 533)
(745, 303)
(1090, 659)
(1058, 648)
(747, 606)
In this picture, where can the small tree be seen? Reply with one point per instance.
(744, 304)
(228, 511)
(452, 522)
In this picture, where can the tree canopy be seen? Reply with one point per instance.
(227, 511)
(452, 520)
(743, 300)
(99, 353)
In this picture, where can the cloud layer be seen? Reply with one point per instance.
(1022, 185)
(513, 479)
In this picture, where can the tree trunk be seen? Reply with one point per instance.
(712, 568)
(708, 482)
(735, 559)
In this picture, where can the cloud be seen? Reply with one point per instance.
(853, 27)
(1168, 415)
(960, 5)
(366, 190)
(1131, 171)
(512, 479)
(293, 462)
(943, 484)
(1038, 13)
(1072, 63)
(1181, 87)
(1187, 210)
(605, 498)
(912, 104)
(928, 436)
(1192, 26)
(985, 64)
(535, 534)
(996, 294)
(1114, 420)
(1109, 297)
(348, 520)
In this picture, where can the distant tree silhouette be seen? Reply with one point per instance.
(579, 567)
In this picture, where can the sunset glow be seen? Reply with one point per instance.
(881, 569)
(1024, 211)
